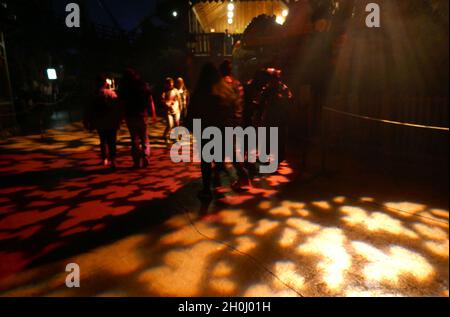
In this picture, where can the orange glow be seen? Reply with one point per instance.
(388, 267)
(303, 226)
(375, 222)
(264, 205)
(339, 199)
(287, 273)
(223, 286)
(222, 269)
(281, 211)
(430, 232)
(324, 205)
(440, 213)
(439, 248)
(405, 207)
(328, 245)
(245, 244)
(264, 226)
(262, 290)
(182, 275)
(288, 238)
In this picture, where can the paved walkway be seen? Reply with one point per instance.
(144, 233)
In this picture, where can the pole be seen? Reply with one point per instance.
(3, 55)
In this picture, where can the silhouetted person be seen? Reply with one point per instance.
(104, 115)
(253, 107)
(205, 106)
(276, 103)
(234, 117)
(136, 97)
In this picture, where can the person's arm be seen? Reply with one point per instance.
(151, 105)
(188, 97)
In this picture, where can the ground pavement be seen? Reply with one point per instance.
(144, 232)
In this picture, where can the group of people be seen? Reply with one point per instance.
(220, 100)
(132, 102)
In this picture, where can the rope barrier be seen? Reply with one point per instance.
(386, 121)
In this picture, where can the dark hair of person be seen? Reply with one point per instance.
(226, 68)
(100, 81)
(209, 76)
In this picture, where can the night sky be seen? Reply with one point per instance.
(128, 13)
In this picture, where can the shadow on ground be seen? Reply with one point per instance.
(144, 233)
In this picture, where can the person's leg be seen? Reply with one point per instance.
(177, 119)
(206, 169)
(147, 140)
(134, 135)
(170, 124)
(103, 144)
(112, 143)
(144, 142)
(243, 178)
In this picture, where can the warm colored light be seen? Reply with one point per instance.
(109, 81)
(213, 30)
(230, 14)
(285, 13)
(230, 21)
(51, 74)
(230, 7)
(279, 20)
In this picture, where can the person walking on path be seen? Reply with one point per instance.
(138, 102)
(184, 97)
(171, 101)
(104, 115)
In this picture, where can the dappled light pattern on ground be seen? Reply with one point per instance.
(137, 233)
(54, 188)
(270, 249)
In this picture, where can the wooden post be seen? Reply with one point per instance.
(7, 112)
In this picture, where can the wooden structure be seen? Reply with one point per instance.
(216, 25)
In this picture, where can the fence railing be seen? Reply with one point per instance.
(213, 44)
(405, 125)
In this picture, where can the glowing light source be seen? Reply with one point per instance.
(279, 20)
(51, 74)
(109, 81)
(230, 7)
(230, 21)
(174, 14)
(230, 14)
(285, 13)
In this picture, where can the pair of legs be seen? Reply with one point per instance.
(108, 140)
(207, 173)
(140, 144)
(173, 120)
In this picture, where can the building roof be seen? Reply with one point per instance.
(212, 14)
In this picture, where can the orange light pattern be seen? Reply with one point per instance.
(143, 233)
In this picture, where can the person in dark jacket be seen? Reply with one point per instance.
(276, 103)
(137, 100)
(205, 105)
(104, 115)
